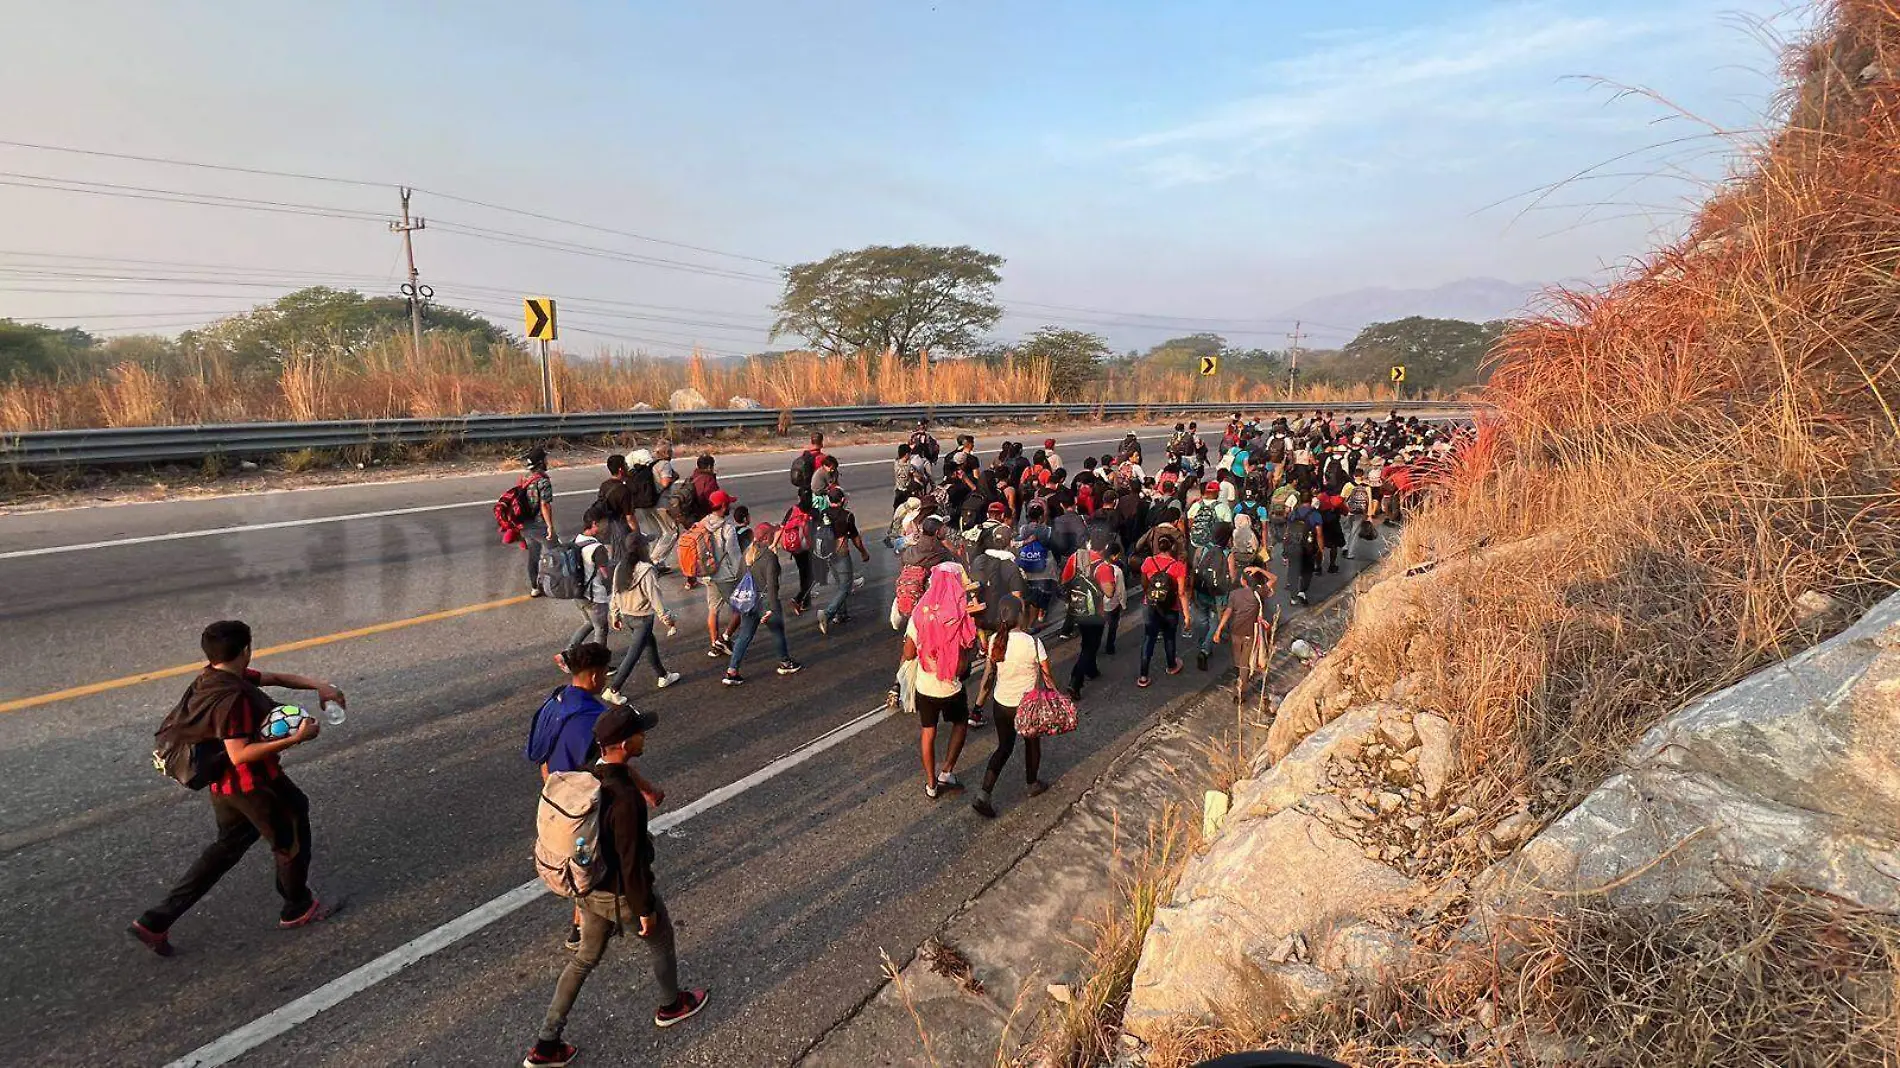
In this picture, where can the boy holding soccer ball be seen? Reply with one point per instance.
(253, 798)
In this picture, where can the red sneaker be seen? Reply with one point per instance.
(687, 1007)
(549, 1055)
(158, 942)
(316, 913)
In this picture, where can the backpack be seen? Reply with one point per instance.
(1356, 503)
(697, 552)
(1085, 595)
(1068, 530)
(912, 579)
(562, 575)
(1159, 591)
(1201, 524)
(512, 512)
(1178, 444)
(1211, 576)
(745, 596)
(1280, 508)
(1033, 556)
(922, 442)
(1001, 590)
(544, 730)
(1125, 476)
(804, 466)
(824, 541)
(567, 833)
(1302, 534)
(1276, 450)
(683, 504)
(642, 488)
(185, 750)
(795, 535)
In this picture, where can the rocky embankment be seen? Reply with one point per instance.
(1360, 849)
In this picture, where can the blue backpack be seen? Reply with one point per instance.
(544, 732)
(745, 596)
(1033, 556)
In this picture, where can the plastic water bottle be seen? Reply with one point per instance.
(580, 850)
(333, 713)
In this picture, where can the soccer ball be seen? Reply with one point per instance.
(282, 722)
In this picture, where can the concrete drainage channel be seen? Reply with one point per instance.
(1026, 934)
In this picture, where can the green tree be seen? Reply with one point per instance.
(1183, 354)
(906, 299)
(1073, 357)
(340, 322)
(31, 350)
(1436, 353)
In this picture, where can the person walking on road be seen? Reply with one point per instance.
(762, 564)
(1017, 660)
(844, 572)
(253, 798)
(1244, 623)
(1164, 589)
(1305, 541)
(1087, 582)
(598, 572)
(720, 539)
(618, 495)
(539, 528)
(937, 646)
(636, 604)
(623, 896)
(1216, 573)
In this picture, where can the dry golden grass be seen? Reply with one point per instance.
(452, 378)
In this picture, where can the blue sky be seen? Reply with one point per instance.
(1214, 162)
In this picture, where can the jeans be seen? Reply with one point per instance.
(1206, 616)
(1111, 623)
(602, 914)
(1162, 624)
(640, 633)
(804, 563)
(594, 621)
(1005, 722)
(1085, 667)
(277, 811)
(748, 626)
(534, 534)
(661, 532)
(844, 571)
(1303, 565)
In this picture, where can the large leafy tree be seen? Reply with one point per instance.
(1073, 357)
(29, 349)
(1437, 353)
(339, 322)
(905, 299)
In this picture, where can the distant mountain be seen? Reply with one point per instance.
(1334, 320)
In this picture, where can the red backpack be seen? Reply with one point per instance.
(911, 581)
(512, 512)
(795, 535)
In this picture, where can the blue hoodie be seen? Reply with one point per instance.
(562, 735)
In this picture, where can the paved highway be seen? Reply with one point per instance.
(795, 850)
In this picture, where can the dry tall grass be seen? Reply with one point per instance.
(452, 378)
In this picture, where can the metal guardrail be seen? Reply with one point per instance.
(162, 444)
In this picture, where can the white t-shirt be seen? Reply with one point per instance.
(1017, 672)
(928, 683)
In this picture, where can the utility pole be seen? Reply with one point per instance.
(1293, 356)
(414, 291)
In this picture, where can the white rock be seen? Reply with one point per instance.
(687, 399)
(1061, 993)
(743, 402)
(1398, 733)
(1213, 812)
(643, 406)
(1437, 753)
(1390, 802)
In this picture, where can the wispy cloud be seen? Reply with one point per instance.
(1496, 67)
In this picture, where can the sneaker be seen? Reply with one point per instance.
(824, 623)
(550, 1055)
(316, 913)
(713, 652)
(893, 697)
(612, 696)
(158, 942)
(1038, 788)
(1300, 598)
(1175, 668)
(687, 1007)
(692, 583)
(1332, 569)
(535, 591)
(662, 570)
(797, 609)
(1200, 661)
(930, 790)
(790, 667)
(560, 661)
(573, 943)
(731, 678)
(1074, 692)
(983, 807)
(1142, 682)
(977, 722)
(665, 680)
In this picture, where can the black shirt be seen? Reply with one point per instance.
(617, 496)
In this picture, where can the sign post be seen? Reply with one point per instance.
(1398, 381)
(538, 316)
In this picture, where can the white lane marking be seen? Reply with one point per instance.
(333, 993)
(283, 524)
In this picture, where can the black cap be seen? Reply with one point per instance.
(621, 722)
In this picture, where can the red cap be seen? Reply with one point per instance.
(998, 508)
(1211, 487)
(720, 498)
(1049, 443)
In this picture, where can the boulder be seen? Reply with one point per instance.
(1262, 882)
(1303, 771)
(1789, 777)
(1304, 709)
(743, 402)
(687, 399)
(1437, 753)
(643, 406)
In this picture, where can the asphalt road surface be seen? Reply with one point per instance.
(794, 852)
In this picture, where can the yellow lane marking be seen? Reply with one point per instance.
(89, 689)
